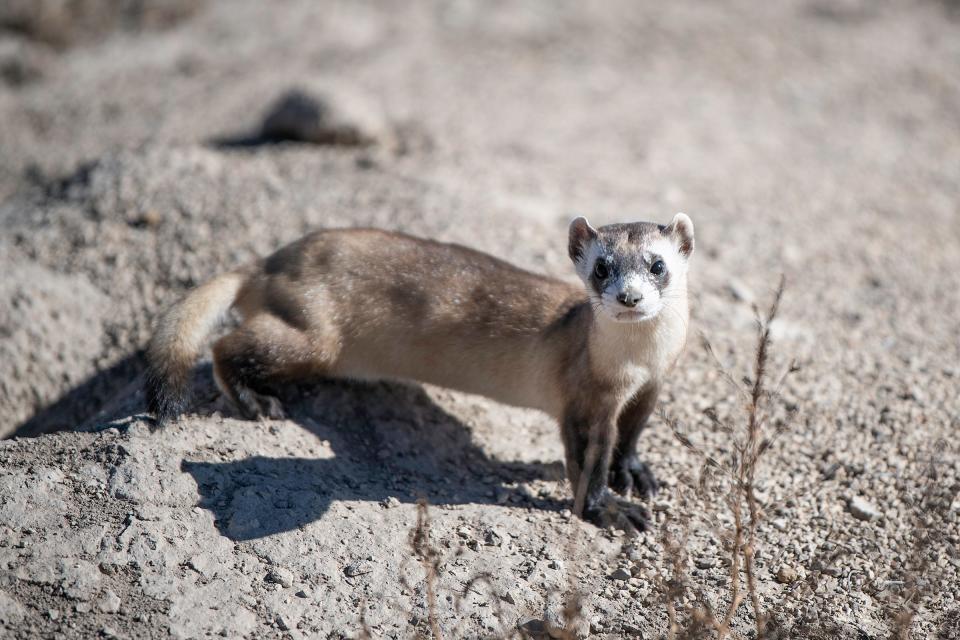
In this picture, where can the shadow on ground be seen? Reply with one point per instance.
(97, 396)
(389, 441)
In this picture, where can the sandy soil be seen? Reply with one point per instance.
(818, 140)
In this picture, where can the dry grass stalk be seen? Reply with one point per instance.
(930, 514)
(430, 560)
(749, 443)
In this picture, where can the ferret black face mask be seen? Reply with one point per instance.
(632, 271)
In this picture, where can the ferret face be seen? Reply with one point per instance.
(632, 271)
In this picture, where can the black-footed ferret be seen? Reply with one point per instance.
(364, 303)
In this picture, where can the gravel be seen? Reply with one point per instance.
(861, 509)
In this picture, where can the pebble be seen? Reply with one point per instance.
(534, 627)
(705, 563)
(739, 291)
(492, 538)
(620, 574)
(110, 602)
(861, 509)
(355, 569)
(284, 622)
(390, 503)
(280, 576)
(786, 574)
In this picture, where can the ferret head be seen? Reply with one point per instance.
(633, 271)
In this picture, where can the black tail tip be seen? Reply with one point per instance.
(164, 400)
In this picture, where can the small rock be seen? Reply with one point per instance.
(145, 218)
(355, 569)
(23, 62)
(303, 593)
(390, 503)
(705, 563)
(11, 611)
(365, 161)
(53, 614)
(556, 630)
(739, 291)
(914, 393)
(492, 538)
(829, 470)
(325, 117)
(284, 622)
(534, 627)
(108, 632)
(110, 602)
(281, 576)
(620, 574)
(510, 596)
(861, 509)
(204, 564)
(786, 574)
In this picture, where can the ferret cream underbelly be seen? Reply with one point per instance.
(505, 372)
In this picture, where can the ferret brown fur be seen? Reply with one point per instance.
(368, 304)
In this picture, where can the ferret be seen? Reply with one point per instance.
(372, 304)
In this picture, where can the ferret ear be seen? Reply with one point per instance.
(581, 235)
(680, 231)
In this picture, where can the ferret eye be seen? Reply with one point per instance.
(600, 270)
(657, 268)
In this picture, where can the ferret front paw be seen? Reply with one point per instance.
(609, 511)
(631, 476)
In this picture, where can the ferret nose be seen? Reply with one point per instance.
(629, 299)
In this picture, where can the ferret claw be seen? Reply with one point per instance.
(630, 476)
(609, 511)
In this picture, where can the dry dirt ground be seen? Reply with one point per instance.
(820, 140)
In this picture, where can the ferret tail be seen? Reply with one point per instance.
(179, 337)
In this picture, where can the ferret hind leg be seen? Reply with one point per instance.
(264, 351)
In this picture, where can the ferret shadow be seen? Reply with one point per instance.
(98, 396)
(388, 441)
